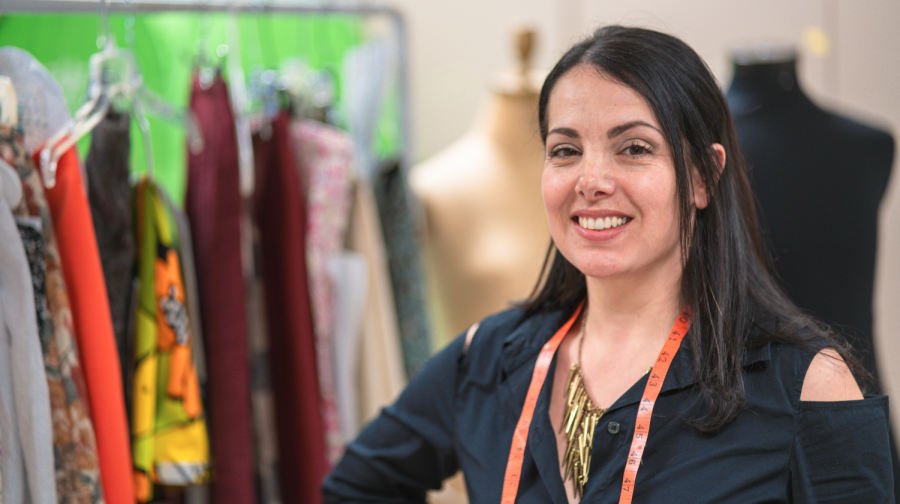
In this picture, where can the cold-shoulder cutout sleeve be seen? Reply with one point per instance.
(829, 379)
(469, 335)
(840, 453)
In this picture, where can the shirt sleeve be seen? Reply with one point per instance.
(842, 454)
(409, 448)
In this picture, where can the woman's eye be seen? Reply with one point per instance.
(636, 150)
(564, 152)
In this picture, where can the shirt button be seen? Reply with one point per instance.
(613, 428)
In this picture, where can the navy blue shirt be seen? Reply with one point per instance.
(460, 411)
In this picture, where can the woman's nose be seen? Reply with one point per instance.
(595, 181)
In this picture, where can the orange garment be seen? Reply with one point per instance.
(83, 273)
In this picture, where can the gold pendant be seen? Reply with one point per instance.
(580, 419)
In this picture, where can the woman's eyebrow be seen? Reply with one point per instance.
(569, 132)
(618, 130)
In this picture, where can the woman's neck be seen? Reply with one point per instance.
(634, 309)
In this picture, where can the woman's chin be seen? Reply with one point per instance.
(601, 268)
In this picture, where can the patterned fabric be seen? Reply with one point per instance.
(169, 439)
(72, 485)
(325, 158)
(77, 470)
(189, 276)
(404, 259)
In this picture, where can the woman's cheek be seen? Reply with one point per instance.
(555, 198)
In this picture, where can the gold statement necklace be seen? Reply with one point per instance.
(580, 419)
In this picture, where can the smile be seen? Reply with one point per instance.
(602, 223)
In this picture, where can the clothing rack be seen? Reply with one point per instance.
(250, 7)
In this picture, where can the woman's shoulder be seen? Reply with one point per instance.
(509, 338)
(806, 371)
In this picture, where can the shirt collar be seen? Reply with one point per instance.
(524, 343)
(526, 340)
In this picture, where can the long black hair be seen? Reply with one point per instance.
(727, 278)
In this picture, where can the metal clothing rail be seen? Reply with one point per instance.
(248, 7)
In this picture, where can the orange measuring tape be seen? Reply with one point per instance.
(642, 424)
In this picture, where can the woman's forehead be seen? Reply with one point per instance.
(591, 97)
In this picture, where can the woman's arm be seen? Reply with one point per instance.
(840, 451)
(409, 448)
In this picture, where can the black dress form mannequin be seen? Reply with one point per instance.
(819, 179)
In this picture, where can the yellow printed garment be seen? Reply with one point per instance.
(168, 431)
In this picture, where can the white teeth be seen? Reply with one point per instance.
(601, 223)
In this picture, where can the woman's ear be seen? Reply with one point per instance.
(701, 197)
(719, 153)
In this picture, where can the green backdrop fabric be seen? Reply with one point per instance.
(165, 45)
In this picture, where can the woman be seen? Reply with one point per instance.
(653, 223)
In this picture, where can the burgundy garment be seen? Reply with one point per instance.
(213, 205)
(280, 213)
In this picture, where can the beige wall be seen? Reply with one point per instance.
(456, 46)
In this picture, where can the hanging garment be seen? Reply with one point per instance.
(280, 213)
(367, 78)
(43, 112)
(109, 193)
(213, 205)
(325, 156)
(380, 378)
(89, 302)
(264, 423)
(25, 417)
(348, 273)
(168, 430)
(263, 397)
(405, 262)
(11, 195)
(185, 251)
(77, 473)
(75, 447)
(194, 494)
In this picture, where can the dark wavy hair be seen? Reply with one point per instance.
(728, 280)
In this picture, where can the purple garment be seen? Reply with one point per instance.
(280, 213)
(213, 204)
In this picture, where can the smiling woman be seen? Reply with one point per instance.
(658, 359)
(607, 160)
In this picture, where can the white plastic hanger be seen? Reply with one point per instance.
(115, 79)
(240, 106)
